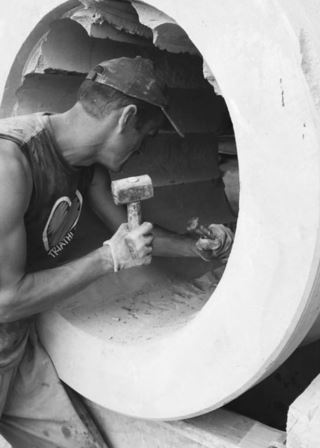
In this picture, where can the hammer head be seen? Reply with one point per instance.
(132, 189)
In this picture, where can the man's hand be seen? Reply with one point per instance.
(131, 248)
(216, 244)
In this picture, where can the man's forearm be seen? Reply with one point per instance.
(37, 292)
(168, 244)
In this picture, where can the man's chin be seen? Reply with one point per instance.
(116, 169)
(119, 168)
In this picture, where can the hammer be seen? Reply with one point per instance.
(131, 191)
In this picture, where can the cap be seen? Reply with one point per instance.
(136, 78)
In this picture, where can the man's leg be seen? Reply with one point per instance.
(5, 382)
(39, 413)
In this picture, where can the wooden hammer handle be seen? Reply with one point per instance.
(134, 214)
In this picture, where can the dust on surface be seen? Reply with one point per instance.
(148, 313)
(66, 432)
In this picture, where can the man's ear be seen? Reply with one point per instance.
(127, 116)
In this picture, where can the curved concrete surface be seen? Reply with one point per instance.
(264, 56)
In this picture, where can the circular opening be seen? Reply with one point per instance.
(195, 177)
(155, 371)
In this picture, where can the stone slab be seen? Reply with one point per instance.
(220, 429)
(303, 424)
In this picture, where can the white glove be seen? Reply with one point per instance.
(217, 245)
(131, 248)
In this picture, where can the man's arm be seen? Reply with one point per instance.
(23, 295)
(165, 243)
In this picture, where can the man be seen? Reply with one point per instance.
(48, 164)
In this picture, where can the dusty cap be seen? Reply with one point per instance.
(135, 77)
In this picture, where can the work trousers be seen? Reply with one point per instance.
(36, 410)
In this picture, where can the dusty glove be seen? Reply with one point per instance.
(216, 244)
(131, 248)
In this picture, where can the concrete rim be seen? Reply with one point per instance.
(267, 299)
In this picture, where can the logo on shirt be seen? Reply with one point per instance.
(59, 229)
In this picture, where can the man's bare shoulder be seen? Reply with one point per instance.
(15, 175)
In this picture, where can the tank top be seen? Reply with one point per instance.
(53, 212)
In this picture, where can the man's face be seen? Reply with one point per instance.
(124, 144)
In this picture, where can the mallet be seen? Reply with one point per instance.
(131, 191)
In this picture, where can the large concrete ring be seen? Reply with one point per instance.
(265, 58)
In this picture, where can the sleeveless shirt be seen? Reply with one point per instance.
(53, 212)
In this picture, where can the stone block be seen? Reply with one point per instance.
(303, 425)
